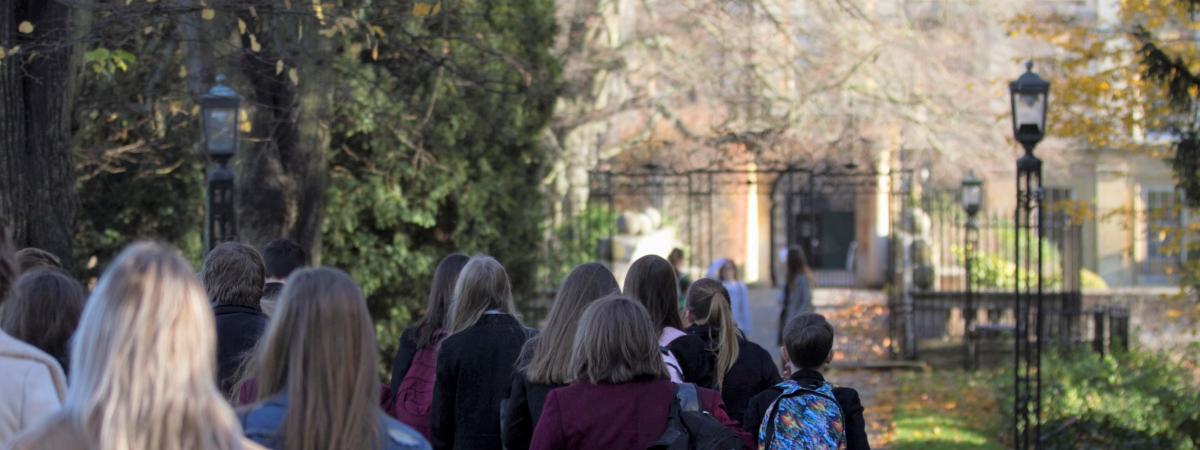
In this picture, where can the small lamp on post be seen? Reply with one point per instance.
(220, 108)
(1029, 95)
(972, 197)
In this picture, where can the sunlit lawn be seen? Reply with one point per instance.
(947, 409)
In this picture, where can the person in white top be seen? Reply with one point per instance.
(31, 389)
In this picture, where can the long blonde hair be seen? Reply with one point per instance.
(144, 359)
(319, 349)
(482, 286)
(708, 301)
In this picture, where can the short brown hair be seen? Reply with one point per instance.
(233, 274)
(809, 339)
(44, 310)
(616, 343)
(32, 257)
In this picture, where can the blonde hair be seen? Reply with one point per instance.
(616, 343)
(144, 359)
(320, 350)
(482, 286)
(708, 301)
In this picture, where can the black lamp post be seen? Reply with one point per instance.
(219, 112)
(1029, 94)
(972, 196)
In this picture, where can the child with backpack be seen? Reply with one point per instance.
(806, 411)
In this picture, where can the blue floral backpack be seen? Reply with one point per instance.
(803, 418)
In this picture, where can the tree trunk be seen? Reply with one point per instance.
(282, 171)
(37, 186)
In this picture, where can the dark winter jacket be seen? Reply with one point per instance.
(847, 398)
(523, 408)
(474, 372)
(752, 372)
(238, 330)
(585, 416)
(693, 361)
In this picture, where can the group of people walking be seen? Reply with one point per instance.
(258, 351)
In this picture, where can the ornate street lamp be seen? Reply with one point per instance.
(219, 114)
(1030, 97)
(972, 197)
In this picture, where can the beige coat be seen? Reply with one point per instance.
(32, 386)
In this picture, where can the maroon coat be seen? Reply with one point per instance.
(585, 416)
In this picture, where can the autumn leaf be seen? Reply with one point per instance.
(278, 67)
(423, 9)
(241, 26)
(294, 76)
(183, 72)
(254, 45)
(25, 27)
(208, 14)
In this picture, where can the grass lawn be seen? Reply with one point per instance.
(947, 409)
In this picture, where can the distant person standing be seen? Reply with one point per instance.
(475, 364)
(676, 260)
(797, 293)
(281, 257)
(725, 271)
(233, 275)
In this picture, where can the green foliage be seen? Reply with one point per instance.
(138, 172)
(999, 271)
(1138, 400)
(434, 155)
(578, 241)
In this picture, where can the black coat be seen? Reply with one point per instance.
(238, 330)
(752, 372)
(847, 398)
(523, 409)
(474, 372)
(693, 361)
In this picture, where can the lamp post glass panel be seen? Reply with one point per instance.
(220, 110)
(1029, 95)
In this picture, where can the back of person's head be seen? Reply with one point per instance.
(281, 257)
(550, 362)
(708, 303)
(43, 310)
(441, 294)
(651, 280)
(482, 286)
(808, 339)
(233, 274)
(319, 349)
(30, 258)
(616, 343)
(144, 359)
(675, 257)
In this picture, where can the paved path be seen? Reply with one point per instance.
(860, 318)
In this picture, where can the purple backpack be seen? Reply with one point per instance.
(413, 399)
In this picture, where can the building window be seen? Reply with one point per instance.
(1166, 245)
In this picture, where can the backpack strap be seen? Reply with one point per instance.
(687, 397)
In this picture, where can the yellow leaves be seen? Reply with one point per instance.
(208, 14)
(294, 76)
(1174, 314)
(278, 67)
(425, 9)
(244, 123)
(318, 10)
(25, 27)
(254, 45)
(183, 72)
(241, 26)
